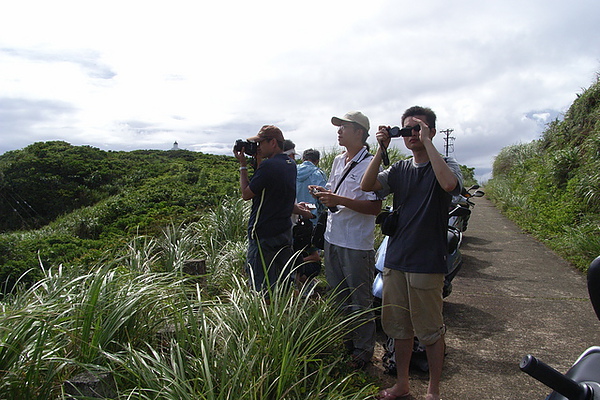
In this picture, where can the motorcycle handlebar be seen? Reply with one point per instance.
(555, 380)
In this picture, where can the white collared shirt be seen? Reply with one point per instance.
(348, 228)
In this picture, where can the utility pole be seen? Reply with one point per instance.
(448, 141)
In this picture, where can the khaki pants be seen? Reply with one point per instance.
(412, 306)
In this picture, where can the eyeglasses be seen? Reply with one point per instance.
(347, 125)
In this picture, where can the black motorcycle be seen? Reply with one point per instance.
(582, 380)
(463, 200)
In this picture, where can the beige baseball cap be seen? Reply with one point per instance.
(353, 116)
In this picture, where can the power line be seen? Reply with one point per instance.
(448, 141)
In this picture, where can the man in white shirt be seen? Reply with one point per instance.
(349, 238)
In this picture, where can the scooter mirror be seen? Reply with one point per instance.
(478, 193)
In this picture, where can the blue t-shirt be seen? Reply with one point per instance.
(274, 188)
(420, 241)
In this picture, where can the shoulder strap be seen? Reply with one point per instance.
(345, 175)
(352, 165)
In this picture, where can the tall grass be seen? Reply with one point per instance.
(164, 336)
(64, 323)
(243, 347)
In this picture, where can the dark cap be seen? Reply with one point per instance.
(268, 132)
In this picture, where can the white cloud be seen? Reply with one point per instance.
(132, 74)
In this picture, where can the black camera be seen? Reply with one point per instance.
(403, 132)
(248, 147)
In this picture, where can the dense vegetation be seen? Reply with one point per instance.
(73, 204)
(551, 186)
(50, 179)
(98, 242)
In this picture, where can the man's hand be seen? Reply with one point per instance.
(303, 210)
(328, 198)
(383, 136)
(425, 134)
(241, 157)
(315, 189)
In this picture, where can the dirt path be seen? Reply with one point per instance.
(512, 297)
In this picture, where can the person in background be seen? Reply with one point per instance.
(289, 149)
(308, 257)
(349, 237)
(415, 262)
(309, 174)
(307, 264)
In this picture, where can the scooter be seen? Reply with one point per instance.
(582, 380)
(464, 200)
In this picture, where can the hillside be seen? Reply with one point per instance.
(75, 205)
(70, 204)
(551, 186)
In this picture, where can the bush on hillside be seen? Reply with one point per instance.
(551, 186)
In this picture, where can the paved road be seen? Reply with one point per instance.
(512, 297)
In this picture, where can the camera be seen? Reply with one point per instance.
(403, 132)
(248, 147)
(316, 191)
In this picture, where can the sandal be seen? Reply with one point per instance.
(385, 395)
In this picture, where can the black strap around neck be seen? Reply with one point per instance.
(352, 165)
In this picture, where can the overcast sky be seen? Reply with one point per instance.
(125, 75)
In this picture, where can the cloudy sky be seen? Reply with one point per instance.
(124, 75)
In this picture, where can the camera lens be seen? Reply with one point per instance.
(394, 132)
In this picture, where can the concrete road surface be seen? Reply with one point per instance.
(512, 297)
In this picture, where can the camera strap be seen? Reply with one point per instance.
(352, 165)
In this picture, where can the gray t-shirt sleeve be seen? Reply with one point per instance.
(455, 167)
(382, 177)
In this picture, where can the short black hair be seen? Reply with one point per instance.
(288, 145)
(418, 110)
(311, 155)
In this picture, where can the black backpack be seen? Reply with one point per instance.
(302, 233)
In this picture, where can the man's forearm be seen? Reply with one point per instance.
(247, 194)
(444, 175)
(369, 207)
(369, 182)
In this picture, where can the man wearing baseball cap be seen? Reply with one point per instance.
(272, 190)
(349, 237)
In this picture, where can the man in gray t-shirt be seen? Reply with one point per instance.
(415, 263)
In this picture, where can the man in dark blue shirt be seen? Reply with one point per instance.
(415, 262)
(273, 193)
